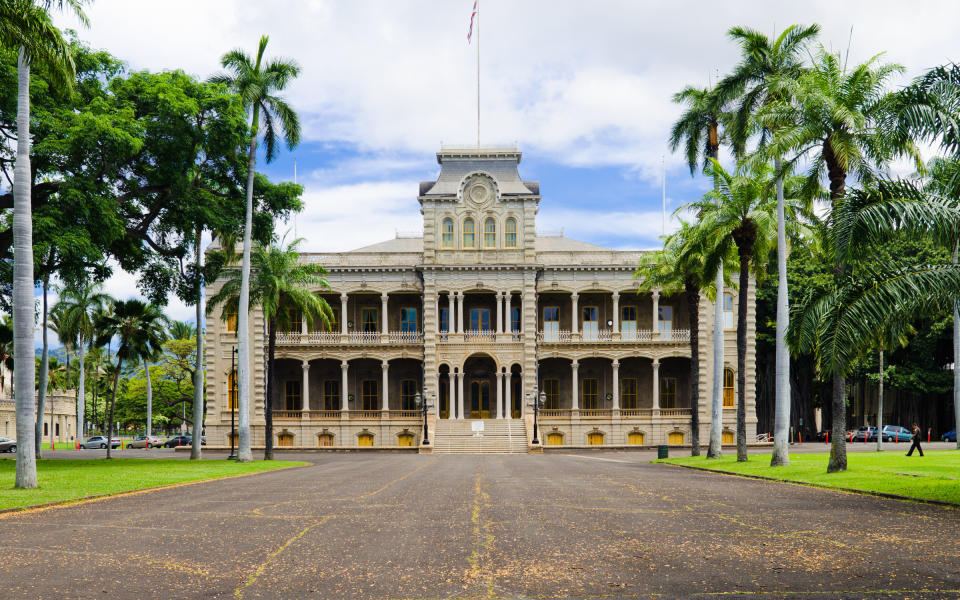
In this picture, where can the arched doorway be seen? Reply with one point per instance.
(479, 374)
(443, 396)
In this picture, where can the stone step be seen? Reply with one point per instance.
(499, 436)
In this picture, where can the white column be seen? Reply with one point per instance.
(305, 393)
(498, 327)
(463, 322)
(452, 398)
(574, 328)
(499, 395)
(384, 395)
(344, 366)
(303, 324)
(384, 321)
(616, 385)
(509, 395)
(575, 385)
(656, 314)
(343, 314)
(656, 384)
(459, 395)
(616, 312)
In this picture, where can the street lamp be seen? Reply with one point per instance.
(232, 398)
(537, 404)
(424, 406)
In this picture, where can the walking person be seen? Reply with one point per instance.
(916, 441)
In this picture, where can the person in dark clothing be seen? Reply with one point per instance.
(916, 441)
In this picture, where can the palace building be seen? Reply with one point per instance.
(479, 316)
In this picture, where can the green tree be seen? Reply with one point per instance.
(256, 82)
(701, 129)
(26, 24)
(766, 65)
(139, 329)
(182, 330)
(280, 287)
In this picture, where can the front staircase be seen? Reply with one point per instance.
(499, 436)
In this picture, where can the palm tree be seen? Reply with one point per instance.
(256, 83)
(841, 322)
(280, 288)
(740, 213)
(182, 330)
(758, 80)
(840, 122)
(680, 267)
(80, 304)
(26, 24)
(700, 129)
(139, 329)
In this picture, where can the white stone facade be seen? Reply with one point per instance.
(480, 315)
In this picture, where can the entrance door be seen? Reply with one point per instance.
(515, 409)
(479, 399)
(551, 323)
(590, 326)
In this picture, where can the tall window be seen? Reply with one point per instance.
(628, 393)
(408, 319)
(316, 324)
(551, 323)
(369, 395)
(469, 241)
(230, 316)
(514, 318)
(728, 388)
(479, 319)
(291, 395)
(728, 311)
(668, 392)
(446, 234)
(408, 390)
(444, 319)
(368, 320)
(331, 394)
(589, 320)
(232, 391)
(489, 233)
(551, 387)
(628, 322)
(665, 319)
(510, 233)
(589, 398)
(295, 320)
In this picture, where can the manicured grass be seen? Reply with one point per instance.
(60, 446)
(935, 476)
(65, 480)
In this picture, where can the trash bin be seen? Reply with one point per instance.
(663, 451)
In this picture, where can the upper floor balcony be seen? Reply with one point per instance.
(601, 336)
(351, 338)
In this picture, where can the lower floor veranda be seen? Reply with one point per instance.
(374, 402)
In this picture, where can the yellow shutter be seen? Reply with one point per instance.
(285, 440)
(635, 438)
(726, 437)
(365, 439)
(595, 439)
(325, 439)
(405, 439)
(675, 438)
(554, 439)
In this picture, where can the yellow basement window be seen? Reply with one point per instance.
(595, 439)
(405, 439)
(365, 439)
(554, 439)
(675, 438)
(635, 438)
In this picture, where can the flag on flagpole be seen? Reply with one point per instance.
(473, 14)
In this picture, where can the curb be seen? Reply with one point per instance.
(887, 495)
(6, 512)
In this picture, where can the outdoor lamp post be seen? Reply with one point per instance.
(233, 406)
(422, 403)
(536, 405)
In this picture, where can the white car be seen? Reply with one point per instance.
(8, 445)
(141, 441)
(100, 441)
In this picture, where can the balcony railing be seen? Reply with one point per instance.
(478, 335)
(563, 336)
(351, 338)
(297, 415)
(607, 413)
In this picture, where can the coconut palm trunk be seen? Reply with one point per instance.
(744, 241)
(196, 449)
(23, 315)
(109, 413)
(693, 310)
(716, 414)
(781, 427)
(268, 402)
(81, 392)
(244, 453)
(146, 370)
(880, 407)
(44, 377)
(956, 360)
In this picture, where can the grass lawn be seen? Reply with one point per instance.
(65, 480)
(936, 476)
(60, 446)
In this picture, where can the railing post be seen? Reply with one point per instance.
(343, 313)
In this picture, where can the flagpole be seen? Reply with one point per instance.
(663, 193)
(478, 74)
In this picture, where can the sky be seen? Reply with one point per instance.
(582, 89)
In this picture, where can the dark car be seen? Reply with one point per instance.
(950, 436)
(8, 445)
(183, 440)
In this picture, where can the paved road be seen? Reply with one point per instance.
(548, 526)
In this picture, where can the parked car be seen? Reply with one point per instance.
(950, 436)
(183, 440)
(870, 433)
(100, 441)
(141, 441)
(895, 433)
(8, 445)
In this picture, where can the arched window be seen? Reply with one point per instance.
(510, 233)
(489, 233)
(468, 234)
(728, 388)
(446, 234)
(728, 311)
